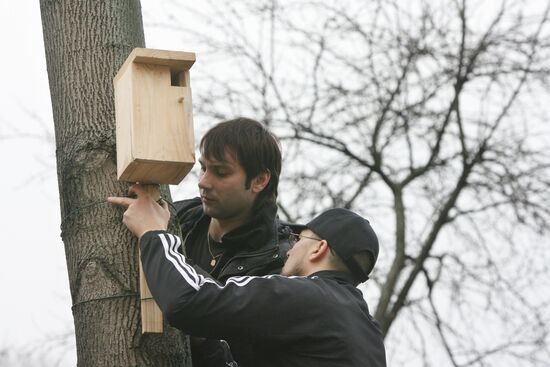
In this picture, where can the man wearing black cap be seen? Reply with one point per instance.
(313, 316)
(352, 245)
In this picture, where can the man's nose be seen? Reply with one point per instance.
(204, 181)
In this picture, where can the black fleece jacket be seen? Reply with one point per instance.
(320, 320)
(258, 247)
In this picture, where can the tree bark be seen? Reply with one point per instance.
(86, 42)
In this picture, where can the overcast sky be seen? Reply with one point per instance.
(35, 302)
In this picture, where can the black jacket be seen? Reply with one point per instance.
(320, 320)
(257, 248)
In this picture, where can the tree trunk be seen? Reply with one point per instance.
(86, 42)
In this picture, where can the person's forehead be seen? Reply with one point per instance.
(229, 159)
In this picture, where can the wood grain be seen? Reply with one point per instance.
(155, 137)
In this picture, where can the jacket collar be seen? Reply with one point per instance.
(260, 231)
(339, 276)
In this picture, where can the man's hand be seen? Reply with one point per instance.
(143, 214)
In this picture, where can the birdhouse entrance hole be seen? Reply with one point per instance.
(177, 78)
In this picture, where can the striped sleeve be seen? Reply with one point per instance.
(248, 307)
(171, 245)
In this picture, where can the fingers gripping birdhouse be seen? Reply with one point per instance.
(154, 133)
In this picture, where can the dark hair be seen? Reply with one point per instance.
(256, 150)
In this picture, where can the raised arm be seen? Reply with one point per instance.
(252, 308)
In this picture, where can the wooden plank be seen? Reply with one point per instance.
(123, 113)
(151, 315)
(189, 126)
(159, 172)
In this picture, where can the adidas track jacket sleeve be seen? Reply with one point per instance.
(251, 308)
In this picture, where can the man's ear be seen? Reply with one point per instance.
(319, 251)
(260, 182)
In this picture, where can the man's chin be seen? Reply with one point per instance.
(207, 209)
(210, 210)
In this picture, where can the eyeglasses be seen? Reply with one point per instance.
(295, 237)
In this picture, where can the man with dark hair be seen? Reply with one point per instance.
(232, 228)
(313, 317)
(254, 148)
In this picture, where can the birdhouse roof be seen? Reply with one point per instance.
(176, 60)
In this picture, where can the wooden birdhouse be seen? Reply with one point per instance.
(154, 134)
(154, 121)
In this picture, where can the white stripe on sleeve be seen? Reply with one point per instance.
(171, 244)
(175, 244)
(181, 269)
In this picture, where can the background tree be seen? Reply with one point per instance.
(427, 117)
(86, 42)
